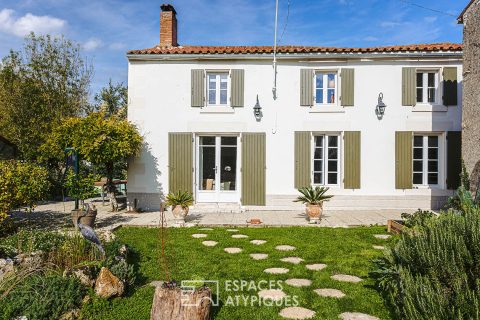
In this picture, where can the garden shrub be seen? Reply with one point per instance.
(433, 270)
(27, 241)
(42, 297)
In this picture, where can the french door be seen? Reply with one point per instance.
(217, 169)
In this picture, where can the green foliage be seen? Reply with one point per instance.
(121, 269)
(112, 100)
(39, 86)
(72, 252)
(432, 272)
(180, 198)
(80, 186)
(418, 218)
(312, 195)
(42, 297)
(463, 200)
(465, 177)
(26, 241)
(22, 184)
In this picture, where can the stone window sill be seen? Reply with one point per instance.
(222, 109)
(327, 109)
(429, 108)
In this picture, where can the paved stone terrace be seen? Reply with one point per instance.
(57, 215)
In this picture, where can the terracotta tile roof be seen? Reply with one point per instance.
(433, 47)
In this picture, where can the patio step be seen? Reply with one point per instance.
(216, 208)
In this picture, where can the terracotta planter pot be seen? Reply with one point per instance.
(314, 212)
(88, 220)
(179, 213)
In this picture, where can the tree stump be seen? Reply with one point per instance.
(175, 304)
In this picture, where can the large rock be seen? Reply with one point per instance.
(84, 274)
(107, 285)
(31, 260)
(6, 267)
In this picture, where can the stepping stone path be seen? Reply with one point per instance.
(294, 260)
(382, 236)
(284, 247)
(258, 242)
(296, 313)
(199, 235)
(346, 278)
(205, 229)
(232, 230)
(276, 270)
(379, 247)
(298, 282)
(259, 256)
(272, 294)
(239, 236)
(232, 250)
(331, 293)
(316, 266)
(210, 243)
(356, 316)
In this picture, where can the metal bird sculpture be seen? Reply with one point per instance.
(88, 233)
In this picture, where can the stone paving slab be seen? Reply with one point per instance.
(356, 316)
(57, 215)
(296, 313)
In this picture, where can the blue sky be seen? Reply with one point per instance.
(106, 29)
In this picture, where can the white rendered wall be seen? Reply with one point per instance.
(159, 102)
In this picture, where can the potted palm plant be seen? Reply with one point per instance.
(313, 199)
(180, 203)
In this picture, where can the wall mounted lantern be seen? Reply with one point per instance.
(257, 110)
(380, 109)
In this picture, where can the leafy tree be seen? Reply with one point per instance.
(80, 186)
(112, 100)
(22, 184)
(39, 86)
(98, 139)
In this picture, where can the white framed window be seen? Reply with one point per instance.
(426, 160)
(326, 160)
(427, 86)
(326, 87)
(217, 88)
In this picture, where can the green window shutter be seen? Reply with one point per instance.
(303, 159)
(348, 87)
(352, 159)
(454, 159)
(198, 88)
(450, 86)
(409, 89)
(237, 87)
(403, 160)
(180, 162)
(306, 87)
(253, 169)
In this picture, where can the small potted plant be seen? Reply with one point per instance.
(180, 203)
(313, 199)
(81, 187)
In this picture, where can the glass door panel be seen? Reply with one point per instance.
(207, 163)
(228, 163)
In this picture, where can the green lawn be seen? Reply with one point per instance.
(347, 251)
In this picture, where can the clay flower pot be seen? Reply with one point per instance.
(88, 219)
(179, 213)
(314, 212)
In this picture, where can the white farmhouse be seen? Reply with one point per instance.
(380, 126)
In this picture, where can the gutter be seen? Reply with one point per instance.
(293, 56)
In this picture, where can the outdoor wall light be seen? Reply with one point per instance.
(380, 109)
(257, 110)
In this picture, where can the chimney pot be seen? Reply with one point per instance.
(168, 26)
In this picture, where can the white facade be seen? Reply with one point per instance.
(159, 89)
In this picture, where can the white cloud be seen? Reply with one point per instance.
(389, 24)
(117, 46)
(21, 26)
(430, 19)
(92, 44)
(370, 38)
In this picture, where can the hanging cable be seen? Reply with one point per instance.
(426, 8)
(286, 22)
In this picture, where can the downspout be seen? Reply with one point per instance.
(274, 89)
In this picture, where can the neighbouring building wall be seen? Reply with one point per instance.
(471, 93)
(160, 102)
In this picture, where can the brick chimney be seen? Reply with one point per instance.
(168, 26)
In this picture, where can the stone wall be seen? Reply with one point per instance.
(471, 93)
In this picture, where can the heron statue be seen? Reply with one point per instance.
(87, 232)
